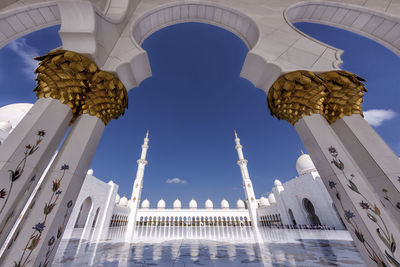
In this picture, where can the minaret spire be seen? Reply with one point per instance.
(248, 187)
(137, 187)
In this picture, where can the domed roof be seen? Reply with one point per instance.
(277, 182)
(5, 126)
(240, 204)
(192, 204)
(271, 199)
(304, 164)
(177, 204)
(145, 204)
(117, 198)
(208, 204)
(224, 204)
(90, 172)
(161, 204)
(123, 201)
(14, 113)
(264, 201)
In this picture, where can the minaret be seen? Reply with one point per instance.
(137, 189)
(248, 187)
(142, 162)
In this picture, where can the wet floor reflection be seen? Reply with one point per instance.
(155, 247)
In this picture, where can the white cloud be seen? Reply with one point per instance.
(27, 53)
(176, 181)
(376, 117)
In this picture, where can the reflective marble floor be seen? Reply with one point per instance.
(278, 247)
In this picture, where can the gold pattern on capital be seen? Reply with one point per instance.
(345, 94)
(295, 95)
(77, 82)
(332, 94)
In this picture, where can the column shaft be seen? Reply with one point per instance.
(374, 233)
(40, 231)
(25, 154)
(379, 164)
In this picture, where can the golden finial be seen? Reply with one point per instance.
(147, 134)
(235, 133)
(301, 150)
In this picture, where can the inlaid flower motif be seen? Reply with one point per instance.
(28, 147)
(332, 184)
(58, 192)
(398, 205)
(333, 151)
(69, 204)
(39, 227)
(59, 232)
(364, 205)
(64, 167)
(51, 241)
(348, 214)
(41, 133)
(56, 184)
(384, 190)
(3, 193)
(359, 236)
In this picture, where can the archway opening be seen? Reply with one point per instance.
(311, 215)
(83, 213)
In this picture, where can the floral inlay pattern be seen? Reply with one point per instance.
(40, 226)
(373, 213)
(15, 174)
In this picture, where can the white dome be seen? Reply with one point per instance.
(192, 204)
(90, 172)
(123, 201)
(14, 113)
(117, 198)
(208, 204)
(271, 199)
(161, 204)
(264, 201)
(304, 164)
(224, 204)
(240, 204)
(177, 204)
(145, 204)
(277, 182)
(5, 126)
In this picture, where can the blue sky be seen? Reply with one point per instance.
(192, 104)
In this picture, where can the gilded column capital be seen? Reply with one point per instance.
(107, 98)
(295, 95)
(63, 75)
(76, 81)
(345, 94)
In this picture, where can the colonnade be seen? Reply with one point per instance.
(270, 220)
(118, 220)
(193, 221)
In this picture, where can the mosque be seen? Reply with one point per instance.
(300, 202)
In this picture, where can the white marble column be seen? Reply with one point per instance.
(39, 233)
(379, 164)
(25, 154)
(374, 233)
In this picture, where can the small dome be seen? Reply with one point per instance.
(208, 204)
(177, 204)
(145, 204)
(90, 172)
(240, 204)
(224, 204)
(271, 199)
(192, 204)
(264, 201)
(304, 164)
(161, 204)
(117, 198)
(5, 126)
(277, 182)
(123, 201)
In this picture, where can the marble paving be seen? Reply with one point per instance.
(278, 248)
